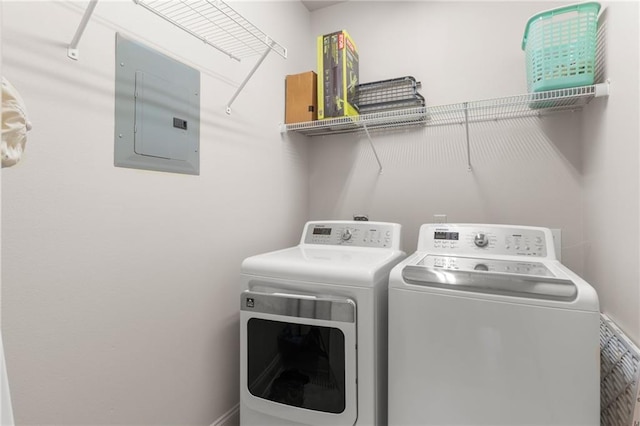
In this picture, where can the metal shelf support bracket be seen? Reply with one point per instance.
(375, 153)
(247, 78)
(466, 126)
(72, 50)
(602, 89)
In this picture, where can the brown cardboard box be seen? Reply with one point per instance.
(300, 98)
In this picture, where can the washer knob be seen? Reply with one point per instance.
(481, 240)
(346, 234)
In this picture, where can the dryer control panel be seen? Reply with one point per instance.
(477, 239)
(352, 233)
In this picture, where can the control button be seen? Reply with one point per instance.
(346, 234)
(481, 240)
(481, 267)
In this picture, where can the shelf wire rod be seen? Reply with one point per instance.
(72, 50)
(375, 153)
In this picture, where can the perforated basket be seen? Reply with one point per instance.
(619, 376)
(560, 47)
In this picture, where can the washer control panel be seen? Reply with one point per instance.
(353, 233)
(485, 265)
(473, 239)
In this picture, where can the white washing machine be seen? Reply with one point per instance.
(486, 327)
(313, 327)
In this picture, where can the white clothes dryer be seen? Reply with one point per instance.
(486, 327)
(313, 327)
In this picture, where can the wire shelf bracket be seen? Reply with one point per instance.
(72, 49)
(373, 148)
(211, 21)
(466, 128)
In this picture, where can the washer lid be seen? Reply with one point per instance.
(331, 265)
(531, 280)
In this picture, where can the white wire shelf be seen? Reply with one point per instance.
(530, 104)
(210, 21)
(376, 120)
(216, 24)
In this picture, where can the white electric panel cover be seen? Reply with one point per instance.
(157, 111)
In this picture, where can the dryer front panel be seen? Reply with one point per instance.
(298, 357)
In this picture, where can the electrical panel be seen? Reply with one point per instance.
(157, 111)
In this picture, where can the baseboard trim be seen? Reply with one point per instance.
(230, 418)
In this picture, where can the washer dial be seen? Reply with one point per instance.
(481, 240)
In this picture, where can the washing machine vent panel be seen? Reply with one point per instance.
(619, 376)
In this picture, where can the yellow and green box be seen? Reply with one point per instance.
(337, 75)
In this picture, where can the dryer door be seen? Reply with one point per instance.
(298, 357)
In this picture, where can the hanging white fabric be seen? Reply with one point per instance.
(14, 125)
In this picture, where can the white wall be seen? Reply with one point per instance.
(574, 171)
(119, 297)
(611, 176)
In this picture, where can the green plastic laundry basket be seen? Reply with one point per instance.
(560, 47)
